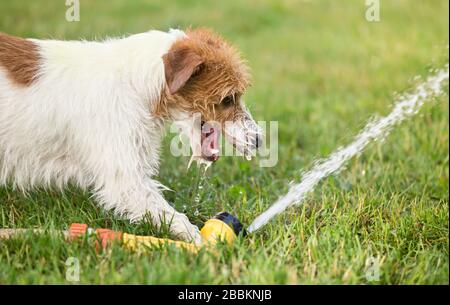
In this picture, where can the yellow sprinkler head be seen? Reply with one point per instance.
(223, 227)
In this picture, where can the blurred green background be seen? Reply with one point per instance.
(321, 70)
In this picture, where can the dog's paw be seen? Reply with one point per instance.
(182, 228)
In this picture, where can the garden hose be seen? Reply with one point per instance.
(222, 227)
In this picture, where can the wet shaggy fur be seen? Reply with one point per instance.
(212, 78)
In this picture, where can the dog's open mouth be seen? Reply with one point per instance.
(210, 142)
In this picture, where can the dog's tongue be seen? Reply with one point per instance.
(210, 143)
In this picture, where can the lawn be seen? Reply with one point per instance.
(321, 70)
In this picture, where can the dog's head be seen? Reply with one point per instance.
(206, 78)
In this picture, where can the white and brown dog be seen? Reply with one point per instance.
(93, 113)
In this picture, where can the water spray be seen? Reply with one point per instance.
(377, 129)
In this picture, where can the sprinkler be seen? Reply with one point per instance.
(222, 227)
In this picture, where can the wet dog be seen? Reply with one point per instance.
(93, 113)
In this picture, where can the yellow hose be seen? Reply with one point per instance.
(212, 231)
(142, 243)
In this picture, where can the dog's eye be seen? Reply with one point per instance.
(228, 101)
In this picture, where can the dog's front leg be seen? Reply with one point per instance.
(161, 212)
(135, 199)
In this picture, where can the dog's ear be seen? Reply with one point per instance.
(179, 65)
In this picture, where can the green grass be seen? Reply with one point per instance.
(322, 71)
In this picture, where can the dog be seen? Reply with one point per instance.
(92, 113)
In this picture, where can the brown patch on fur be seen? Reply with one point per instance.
(201, 72)
(179, 65)
(20, 58)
